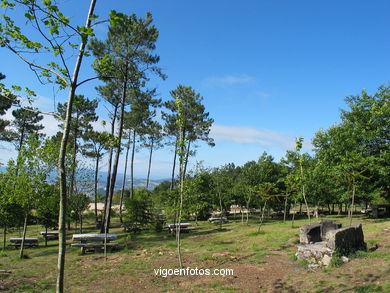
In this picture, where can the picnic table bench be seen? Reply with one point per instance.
(28, 242)
(49, 234)
(184, 227)
(94, 242)
(217, 220)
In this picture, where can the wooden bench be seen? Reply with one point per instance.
(94, 242)
(184, 227)
(217, 220)
(28, 242)
(53, 235)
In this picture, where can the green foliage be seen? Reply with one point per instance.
(138, 211)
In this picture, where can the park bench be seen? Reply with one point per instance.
(28, 242)
(184, 227)
(49, 235)
(217, 220)
(94, 242)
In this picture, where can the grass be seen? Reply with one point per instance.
(131, 268)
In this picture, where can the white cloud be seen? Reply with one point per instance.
(247, 135)
(229, 80)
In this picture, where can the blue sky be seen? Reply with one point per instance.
(269, 71)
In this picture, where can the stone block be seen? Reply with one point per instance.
(346, 240)
(327, 226)
(310, 234)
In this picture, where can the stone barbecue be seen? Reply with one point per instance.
(318, 242)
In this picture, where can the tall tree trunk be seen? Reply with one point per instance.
(124, 179)
(73, 174)
(220, 207)
(304, 195)
(353, 202)
(293, 215)
(24, 236)
(262, 216)
(285, 210)
(61, 159)
(109, 170)
(181, 176)
(107, 210)
(174, 165)
(132, 166)
(186, 160)
(247, 210)
(150, 162)
(96, 189)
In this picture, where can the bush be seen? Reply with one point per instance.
(137, 213)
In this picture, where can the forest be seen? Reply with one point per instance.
(49, 184)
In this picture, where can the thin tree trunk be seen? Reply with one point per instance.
(24, 236)
(73, 174)
(181, 176)
(285, 210)
(186, 160)
(109, 170)
(353, 203)
(116, 162)
(247, 211)
(124, 179)
(304, 196)
(132, 167)
(61, 160)
(262, 216)
(150, 163)
(96, 189)
(293, 216)
(174, 165)
(81, 223)
(220, 207)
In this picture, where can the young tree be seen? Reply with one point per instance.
(196, 122)
(25, 181)
(298, 148)
(51, 27)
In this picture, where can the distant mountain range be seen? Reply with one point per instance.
(87, 176)
(138, 182)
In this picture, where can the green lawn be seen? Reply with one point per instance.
(261, 262)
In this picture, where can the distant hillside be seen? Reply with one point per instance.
(87, 176)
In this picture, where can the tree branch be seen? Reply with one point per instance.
(37, 66)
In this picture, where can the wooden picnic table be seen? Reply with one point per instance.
(217, 220)
(184, 227)
(49, 234)
(95, 242)
(28, 242)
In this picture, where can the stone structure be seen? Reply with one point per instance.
(318, 242)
